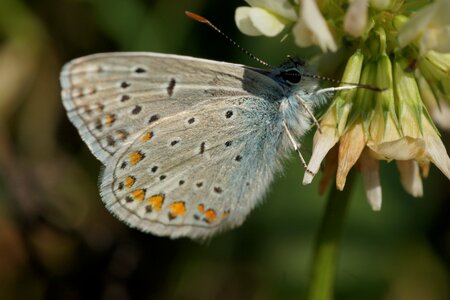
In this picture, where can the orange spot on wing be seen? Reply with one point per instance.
(147, 136)
(156, 201)
(110, 119)
(201, 208)
(136, 157)
(177, 208)
(129, 181)
(210, 215)
(138, 194)
(225, 214)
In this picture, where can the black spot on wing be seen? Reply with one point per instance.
(153, 118)
(140, 70)
(171, 87)
(125, 84)
(202, 148)
(137, 109)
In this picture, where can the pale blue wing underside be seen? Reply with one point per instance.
(163, 124)
(215, 169)
(110, 96)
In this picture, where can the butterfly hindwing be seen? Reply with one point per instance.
(197, 172)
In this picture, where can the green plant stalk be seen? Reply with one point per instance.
(323, 269)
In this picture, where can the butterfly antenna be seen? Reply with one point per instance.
(206, 21)
(351, 84)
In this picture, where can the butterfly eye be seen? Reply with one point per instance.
(291, 76)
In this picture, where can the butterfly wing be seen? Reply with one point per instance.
(197, 168)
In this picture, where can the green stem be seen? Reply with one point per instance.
(323, 269)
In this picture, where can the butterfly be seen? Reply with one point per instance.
(189, 146)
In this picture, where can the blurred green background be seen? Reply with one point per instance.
(57, 241)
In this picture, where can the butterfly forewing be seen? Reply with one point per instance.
(110, 96)
(189, 145)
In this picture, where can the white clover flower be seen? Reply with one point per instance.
(368, 127)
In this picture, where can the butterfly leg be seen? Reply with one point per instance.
(296, 146)
(306, 108)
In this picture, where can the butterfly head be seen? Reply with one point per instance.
(293, 75)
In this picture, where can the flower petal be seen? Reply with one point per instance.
(381, 4)
(439, 109)
(441, 115)
(437, 153)
(416, 25)
(370, 171)
(437, 35)
(355, 20)
(433, 23)
(256, 21)
(410, 177)
(243, 21)
(351, 145)
(436, 38)
(282, 8)
(405, 148)
(322, 143)
(314, 21)
(302, 35)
